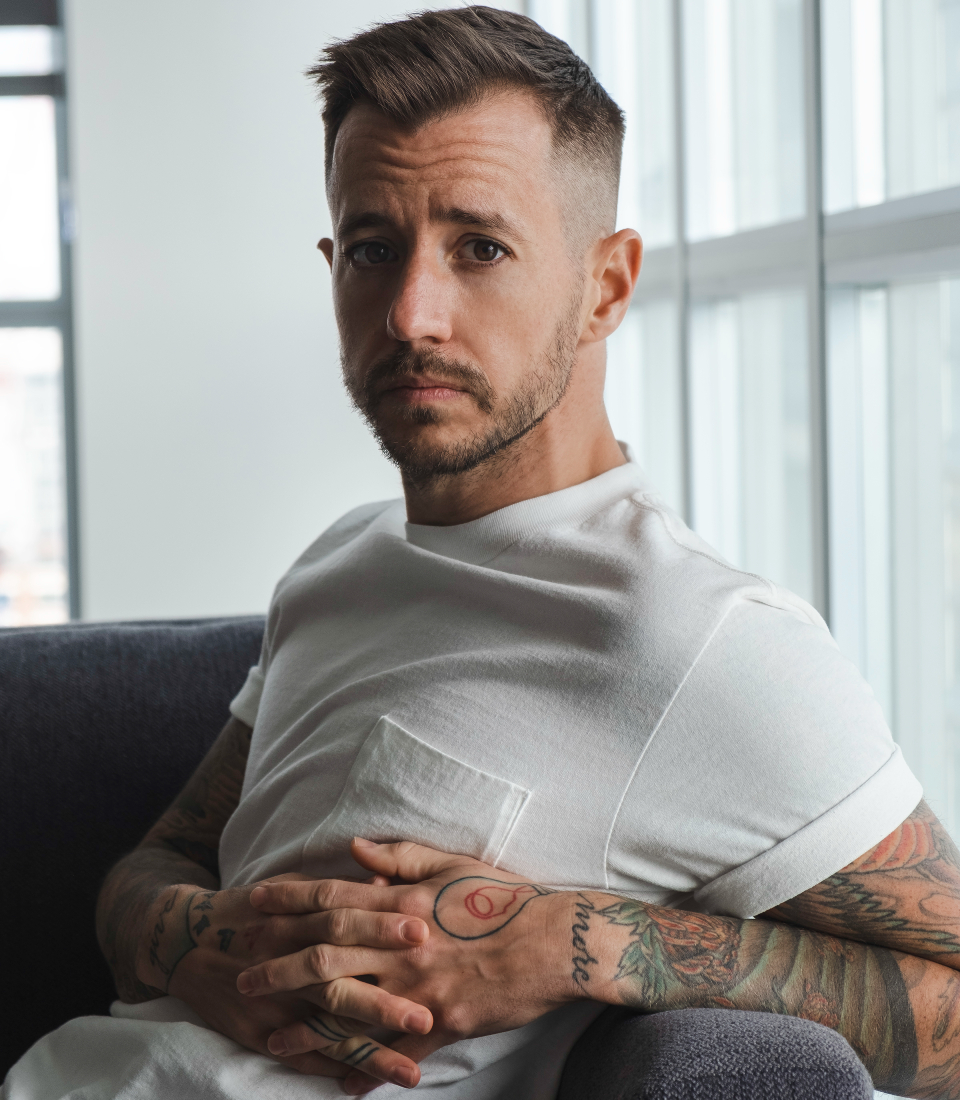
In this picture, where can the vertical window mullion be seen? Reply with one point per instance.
(71, 480)
(816, 342)
(681, 279)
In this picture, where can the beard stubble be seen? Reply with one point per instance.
(508, 419)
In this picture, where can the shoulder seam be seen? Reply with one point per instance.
(647, 504)
(653, 734)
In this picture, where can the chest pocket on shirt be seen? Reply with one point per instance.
(401, 788)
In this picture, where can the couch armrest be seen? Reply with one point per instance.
(711, 1054)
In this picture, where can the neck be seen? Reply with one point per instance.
(572, 444)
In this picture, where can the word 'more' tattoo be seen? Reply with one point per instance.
(473, 907)
(582, 958)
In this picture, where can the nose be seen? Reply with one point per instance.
(422, 308)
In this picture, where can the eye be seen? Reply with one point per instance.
(370, 253)
(484, 250)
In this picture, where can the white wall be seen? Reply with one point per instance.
(215, 440)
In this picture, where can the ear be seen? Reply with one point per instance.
(326, 247)
(616, 268)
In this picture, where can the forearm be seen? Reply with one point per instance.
(901, 1014)
(180, 850)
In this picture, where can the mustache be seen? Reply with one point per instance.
(419, 363)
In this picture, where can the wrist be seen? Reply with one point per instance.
(164, 936)
(578, 955)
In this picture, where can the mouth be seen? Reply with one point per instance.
(421, 390)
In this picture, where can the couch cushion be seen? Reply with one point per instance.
(100, 726)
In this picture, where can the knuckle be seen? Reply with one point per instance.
(322, 894)
(337, 924)
(318, 961)
(454, 1020)
(334, 997)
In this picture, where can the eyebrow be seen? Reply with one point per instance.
(480, 219)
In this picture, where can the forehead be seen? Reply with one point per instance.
(499, 148)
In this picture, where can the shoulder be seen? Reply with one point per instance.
(339, 538)
(350, 528)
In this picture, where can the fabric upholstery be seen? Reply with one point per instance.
(100, 725)
(712, 1054)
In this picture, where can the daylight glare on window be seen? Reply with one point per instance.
(28, 51)
(29, 229)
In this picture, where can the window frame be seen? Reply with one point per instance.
(912, 237)
(55, 313)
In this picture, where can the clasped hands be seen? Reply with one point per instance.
(432, 948)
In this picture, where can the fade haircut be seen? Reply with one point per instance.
(435, 63)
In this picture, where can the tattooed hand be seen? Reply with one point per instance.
(493, 959)
(200, 940)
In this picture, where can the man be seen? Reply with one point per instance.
(576, 748)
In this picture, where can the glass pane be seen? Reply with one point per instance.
(894, 413)
(29, 51)
(33, 574)
(29, 230)
(644, 394)
(859, 491)
(750, 433)
(567, 19)
(925, 432)
(633, 59)
(891, 94)
(743, 90)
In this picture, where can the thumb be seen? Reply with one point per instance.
(404, 860)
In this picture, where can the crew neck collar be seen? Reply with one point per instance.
(482, 539)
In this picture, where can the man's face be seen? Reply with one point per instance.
(457, 291)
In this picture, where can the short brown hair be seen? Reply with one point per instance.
(428, 65)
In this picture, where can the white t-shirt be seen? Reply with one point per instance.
(574, 688)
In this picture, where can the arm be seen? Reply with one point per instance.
(166, 927)
(180, 850)
(892, 997)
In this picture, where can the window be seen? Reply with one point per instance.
(789, 372)
(37, 521)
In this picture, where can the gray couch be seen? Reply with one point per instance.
(100, 725)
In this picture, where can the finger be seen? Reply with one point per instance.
(360, 928)
(370, 1004)
(358, 1083)
(405, 860)
(343, 1040)
(319, 895)
(322, 962)
(313, 1064)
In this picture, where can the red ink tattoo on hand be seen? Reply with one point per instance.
(491, 901)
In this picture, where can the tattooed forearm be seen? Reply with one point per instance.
(180, 849)
(879, 1000)
(904, 894)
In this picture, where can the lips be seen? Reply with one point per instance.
(422, 389)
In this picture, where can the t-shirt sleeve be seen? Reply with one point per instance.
(246, 702)
(772, 769)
